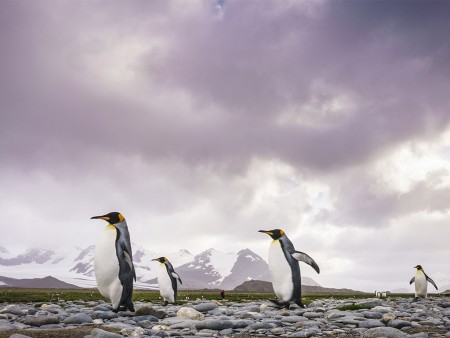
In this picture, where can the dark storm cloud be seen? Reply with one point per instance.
(250, 65)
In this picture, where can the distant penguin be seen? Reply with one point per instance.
(285, 270)
(421, 280)
(113, 262)
(167, 280)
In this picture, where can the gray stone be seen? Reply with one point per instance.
(142, 318)
(386, 332)
(99, 333)
(262, 325)
(240, 324)
(398, 323)
(309, 332)
(40, 320)
(213, 324)
(371, 323)
(205, 307)
(372, 314)
(311, 315)
(102, 307)
(293, 319)
(149, 310)
(105, 315)
(78, 318)
(188, 312)
(12, 309)
(186, 324)
(17, 335)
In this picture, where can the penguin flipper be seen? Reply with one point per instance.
(412, 280)
(128, 259)
(431, 281)
(175, 275)
(301, 256)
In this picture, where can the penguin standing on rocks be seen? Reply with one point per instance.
(421, 282)
(167, 280)
(113, 262)
(285, 270)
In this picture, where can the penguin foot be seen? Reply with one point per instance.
(115, 310)
(165, 303)
(130, 306)
(300, 304)
(279, 304)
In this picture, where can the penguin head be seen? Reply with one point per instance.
(111, 218)
(275, 234)
(418, 267)
(160, 259)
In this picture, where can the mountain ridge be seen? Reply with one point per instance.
(209, 269)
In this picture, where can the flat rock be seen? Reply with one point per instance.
(386, 332)
(99, 333)
(213, 324)
(100, 314)
(371, 323)
(309, 332)
(41, 320)
(78, 318)
(149, 310)
(205, 307)
(17, 335)
(398, 324)
(369, 303)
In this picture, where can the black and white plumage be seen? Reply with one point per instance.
(113, 262)
(284, 268)
(167, 280)
(420, 281)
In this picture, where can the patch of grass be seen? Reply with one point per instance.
(352, 307)
(184, 296)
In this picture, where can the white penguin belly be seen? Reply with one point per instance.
(281, 272)
(165, 284)
(106, 265)
(421, 284)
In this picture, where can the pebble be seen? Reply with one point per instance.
(392, 317)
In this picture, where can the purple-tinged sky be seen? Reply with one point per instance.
(203, 122)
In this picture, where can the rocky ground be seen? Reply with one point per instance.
(392, 317)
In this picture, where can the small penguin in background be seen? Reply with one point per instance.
(113, 262)
(285, 270)
(420, 281)
(167, 280)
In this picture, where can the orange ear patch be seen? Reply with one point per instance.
(281, 232)
(121, 218)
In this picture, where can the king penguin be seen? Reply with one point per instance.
(421, 280)
(285, 270)
(167, 280)
(113, 262)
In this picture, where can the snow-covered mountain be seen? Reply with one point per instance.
(209, 269)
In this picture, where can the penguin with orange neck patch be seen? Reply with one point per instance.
(421, 282)
(113, 262)
(285, 270)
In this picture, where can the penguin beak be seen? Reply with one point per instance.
(101, 217)
(155, 259)
(270, 233)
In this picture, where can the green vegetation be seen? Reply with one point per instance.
(352, 307)
(53, 295)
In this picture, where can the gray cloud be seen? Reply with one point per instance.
(172, 111)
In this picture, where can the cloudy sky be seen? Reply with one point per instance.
(203, 122)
